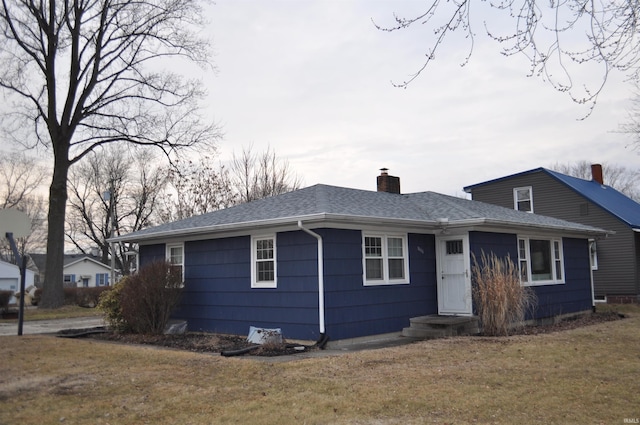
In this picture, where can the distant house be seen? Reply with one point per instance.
(79, 270)
(348, 263)
(615, 258)
(10, 278)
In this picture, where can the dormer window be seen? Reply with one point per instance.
(523, 199)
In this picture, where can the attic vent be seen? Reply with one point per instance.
(584, 209)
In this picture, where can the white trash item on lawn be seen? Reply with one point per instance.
(176, 327)
(264, 336)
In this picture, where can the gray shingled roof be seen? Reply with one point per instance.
(322, 202)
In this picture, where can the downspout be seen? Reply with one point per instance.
(323, 336)
(593, 291)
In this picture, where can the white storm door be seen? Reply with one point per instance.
(454, 281)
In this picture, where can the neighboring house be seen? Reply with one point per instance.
(10, 278)
(344, 263)
(616, 257)
(79, 270)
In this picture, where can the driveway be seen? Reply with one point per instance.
(50, 326)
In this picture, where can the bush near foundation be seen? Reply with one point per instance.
(500, 299)
(110, 306)
(143, 303)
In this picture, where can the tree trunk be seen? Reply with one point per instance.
(52, 292)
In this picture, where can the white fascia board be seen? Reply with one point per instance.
(313, 221)
(518, 227)
(205, 230)
(351, 221)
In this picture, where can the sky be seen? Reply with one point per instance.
(313, 81)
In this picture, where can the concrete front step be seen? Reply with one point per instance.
(430, 327)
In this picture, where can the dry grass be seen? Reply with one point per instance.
(502, 301)
(65, 312)
(585, 375)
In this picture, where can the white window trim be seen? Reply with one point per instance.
(385, 260)
(254, 260)
(515, 197)
(530, 281)
(168, 256)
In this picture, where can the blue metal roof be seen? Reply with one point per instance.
(606, 197)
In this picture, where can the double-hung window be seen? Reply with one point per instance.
(540, 261)
(263, 259)
(385, 259)
(175, 257)
(523, 199)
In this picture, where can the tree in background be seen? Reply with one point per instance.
(195, 187)
(21, 177)
(632, 124)
(618, 177)
(79, 75)
(259, 175)
(112, 192)
(559, 38)
(199, 185)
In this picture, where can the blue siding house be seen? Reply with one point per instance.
(345, 263)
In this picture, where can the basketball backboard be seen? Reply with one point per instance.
(14, 221)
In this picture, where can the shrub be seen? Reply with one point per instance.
(110, 305)
(84, 297)
(501, 301)
(143, 303)
(5, 297)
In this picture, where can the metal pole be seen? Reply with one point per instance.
(21, 262)
(113, 225)
(23, 273)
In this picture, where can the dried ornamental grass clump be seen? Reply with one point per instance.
(501, 300)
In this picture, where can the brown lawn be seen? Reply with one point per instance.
(587, 375)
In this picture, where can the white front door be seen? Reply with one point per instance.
(454, 276)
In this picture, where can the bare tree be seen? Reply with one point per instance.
(83, 74)
(618, 177)
(196, 187)
(112, 192)
(556, 37)
(21, 177)
(632, 124)
(258, 175)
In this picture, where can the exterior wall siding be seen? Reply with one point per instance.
(150, 253)
(618, 254)
(354, 310)
(572, 296)
(218, 296)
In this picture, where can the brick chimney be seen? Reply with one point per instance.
(387, 183)
(596, 173)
